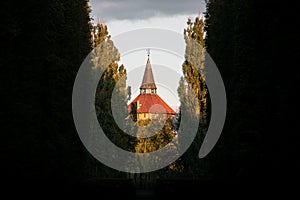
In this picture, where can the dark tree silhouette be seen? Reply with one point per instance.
(45, 43)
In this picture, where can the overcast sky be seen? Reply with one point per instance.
(125, 15)
(144, 9)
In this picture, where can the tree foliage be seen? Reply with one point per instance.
(193, 92)
(234, 33)
(193, 67)
(111, 92)
(45, 43)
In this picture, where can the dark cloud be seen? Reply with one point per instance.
(143, 9)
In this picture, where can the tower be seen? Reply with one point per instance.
(148, 85)
(148, 104)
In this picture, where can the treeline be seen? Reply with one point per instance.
(231, 42)
(250, 42)
(44, 44)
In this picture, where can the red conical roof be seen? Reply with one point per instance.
(147, 104)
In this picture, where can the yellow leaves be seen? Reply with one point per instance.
(156, 142)
(176, 167)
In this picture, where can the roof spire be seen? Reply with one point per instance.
(148, 82)
(148, 52)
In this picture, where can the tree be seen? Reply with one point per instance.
(193, 93)
(232, 43)
(193, 67)
(111, 97)
(45, 44)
